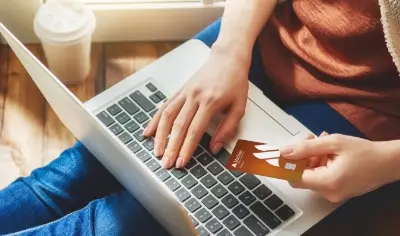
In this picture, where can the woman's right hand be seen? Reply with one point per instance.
(219, 86)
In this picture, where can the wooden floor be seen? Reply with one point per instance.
(31, 135)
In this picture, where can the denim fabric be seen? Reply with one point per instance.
(76, 195)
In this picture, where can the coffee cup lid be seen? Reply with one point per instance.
(62, 21)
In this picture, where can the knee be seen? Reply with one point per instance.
(121, 214)
(209, 34)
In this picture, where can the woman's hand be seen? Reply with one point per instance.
(220, 86)
(347, 166)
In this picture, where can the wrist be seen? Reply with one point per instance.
(390, 152)
(233, 50)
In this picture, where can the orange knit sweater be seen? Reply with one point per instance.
(335, 51)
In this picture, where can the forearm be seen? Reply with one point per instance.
(241, 24)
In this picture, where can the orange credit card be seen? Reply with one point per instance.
(265, 160)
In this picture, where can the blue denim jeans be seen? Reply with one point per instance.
(76, 195)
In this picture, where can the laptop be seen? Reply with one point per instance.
(204, 198)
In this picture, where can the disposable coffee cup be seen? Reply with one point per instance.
(65, 29)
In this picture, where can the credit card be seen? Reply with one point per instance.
(265, 160)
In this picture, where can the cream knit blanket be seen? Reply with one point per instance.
(390, 18)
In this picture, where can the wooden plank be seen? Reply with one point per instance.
(23, 123)
(123, 59)
(4, 61)
(56, 136)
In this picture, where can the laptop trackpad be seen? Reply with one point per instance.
(259, 126)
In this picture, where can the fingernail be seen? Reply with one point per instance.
(165, 162)
(216, 147)
(179, 162)
(286, 150)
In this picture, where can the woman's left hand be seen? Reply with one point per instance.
(347, 166)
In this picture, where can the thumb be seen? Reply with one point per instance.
(324, 145)
(226, 128)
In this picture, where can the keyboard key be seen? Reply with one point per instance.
(208, 181)
(205, 159)
(125, 137)
(106, 119)
(143, 156)
(202, 215)
(247, 198)
(153, 113)
(179, 173)
(194, 221)
(155, 99)
(240, 211)
(189, 182)
(173, 184)
(138, 135)
(250, 181)
(265, 215)
(231, 222)
(225, 178)
(205, 141)
(224, 232)
(114, 109)
(273, 202)
(223, 156)
(160, 95)
(143, 102)
(129, 106)
(202, 231)
(116, 129)
(149, 144)
(153, 165)
(285, 212)
(198, 171)
(262, 192)
(123, 118)
(219, 191)
(182, 194)
(145, 124)
(243, 231)
(210, 201)
(141, 117)
(230, 201)
(214, 226)
(215, 168)
(134, 147)
(236, 173)
(236, 188)
(199, 191)
(163, 175)
(198, 151)
(192, 205)
(151, 87)
(132, 126)
(256, 226)
(220, 212)
(192, 162)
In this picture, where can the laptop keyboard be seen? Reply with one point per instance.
(219, 201)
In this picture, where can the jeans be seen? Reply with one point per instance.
(76, 195)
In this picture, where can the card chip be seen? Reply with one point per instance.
(290, 166)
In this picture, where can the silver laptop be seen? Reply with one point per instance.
(204, 198)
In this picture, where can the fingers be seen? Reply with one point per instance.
(165, 123)
(314, 179)
(178, 134)
(152, 126)
(321, 146)
(194, 134)
(226, 128)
